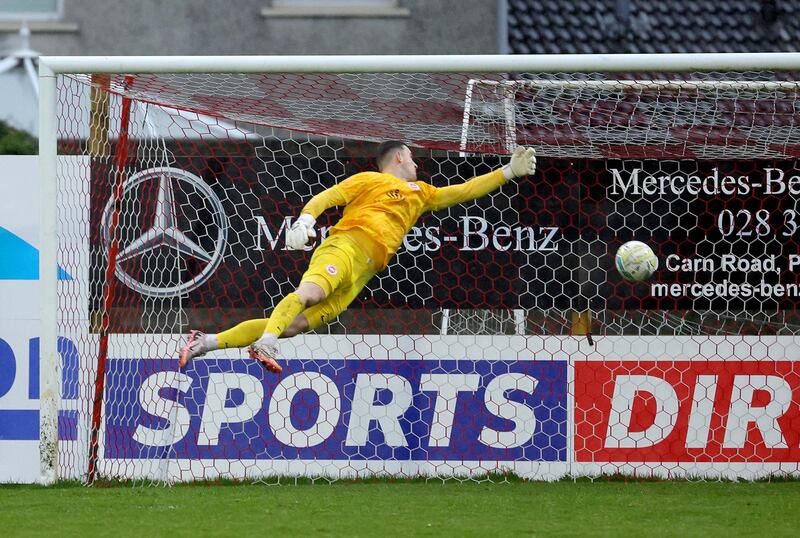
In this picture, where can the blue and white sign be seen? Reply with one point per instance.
(418, 410)
(20, 314)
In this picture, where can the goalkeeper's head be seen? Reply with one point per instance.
(395, 158)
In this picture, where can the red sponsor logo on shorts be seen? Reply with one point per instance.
(332, 269)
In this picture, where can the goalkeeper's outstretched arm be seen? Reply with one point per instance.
(303, 228)
(523, 162)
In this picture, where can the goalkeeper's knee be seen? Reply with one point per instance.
(310, 293)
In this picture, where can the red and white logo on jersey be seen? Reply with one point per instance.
(413, 186)
(332, 269)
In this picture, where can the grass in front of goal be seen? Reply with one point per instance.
(406, 508)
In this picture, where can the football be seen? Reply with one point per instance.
(636, 261)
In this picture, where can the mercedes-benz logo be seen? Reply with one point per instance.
(164, 236)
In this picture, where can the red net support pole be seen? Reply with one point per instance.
(108, 292)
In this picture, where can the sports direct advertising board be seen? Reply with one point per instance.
(460, 406)
(350, 414)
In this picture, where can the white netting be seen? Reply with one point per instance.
(469, 354)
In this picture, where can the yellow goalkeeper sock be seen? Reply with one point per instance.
(243, 334)
(284, 314)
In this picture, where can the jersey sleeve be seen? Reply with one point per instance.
(476, 187)
(322, 201)
(340, 194)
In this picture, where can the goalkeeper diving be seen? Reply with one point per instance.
(379, 209)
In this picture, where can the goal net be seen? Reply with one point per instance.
(500, 339)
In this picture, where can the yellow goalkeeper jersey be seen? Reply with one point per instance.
(380, 208)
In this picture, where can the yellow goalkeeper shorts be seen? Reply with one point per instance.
(341, 268)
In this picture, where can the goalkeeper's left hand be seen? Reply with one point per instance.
(523, 163)
(301, 231)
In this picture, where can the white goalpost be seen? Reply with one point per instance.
(500, 339)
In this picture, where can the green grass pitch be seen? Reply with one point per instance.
(407, 508)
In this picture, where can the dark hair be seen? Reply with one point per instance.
(386, 151)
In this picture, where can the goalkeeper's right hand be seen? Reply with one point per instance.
(523, 163)
(301, 231)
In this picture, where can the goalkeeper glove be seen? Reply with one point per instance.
(523, 163)
(301, 231)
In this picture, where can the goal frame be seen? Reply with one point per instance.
(52, 66)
